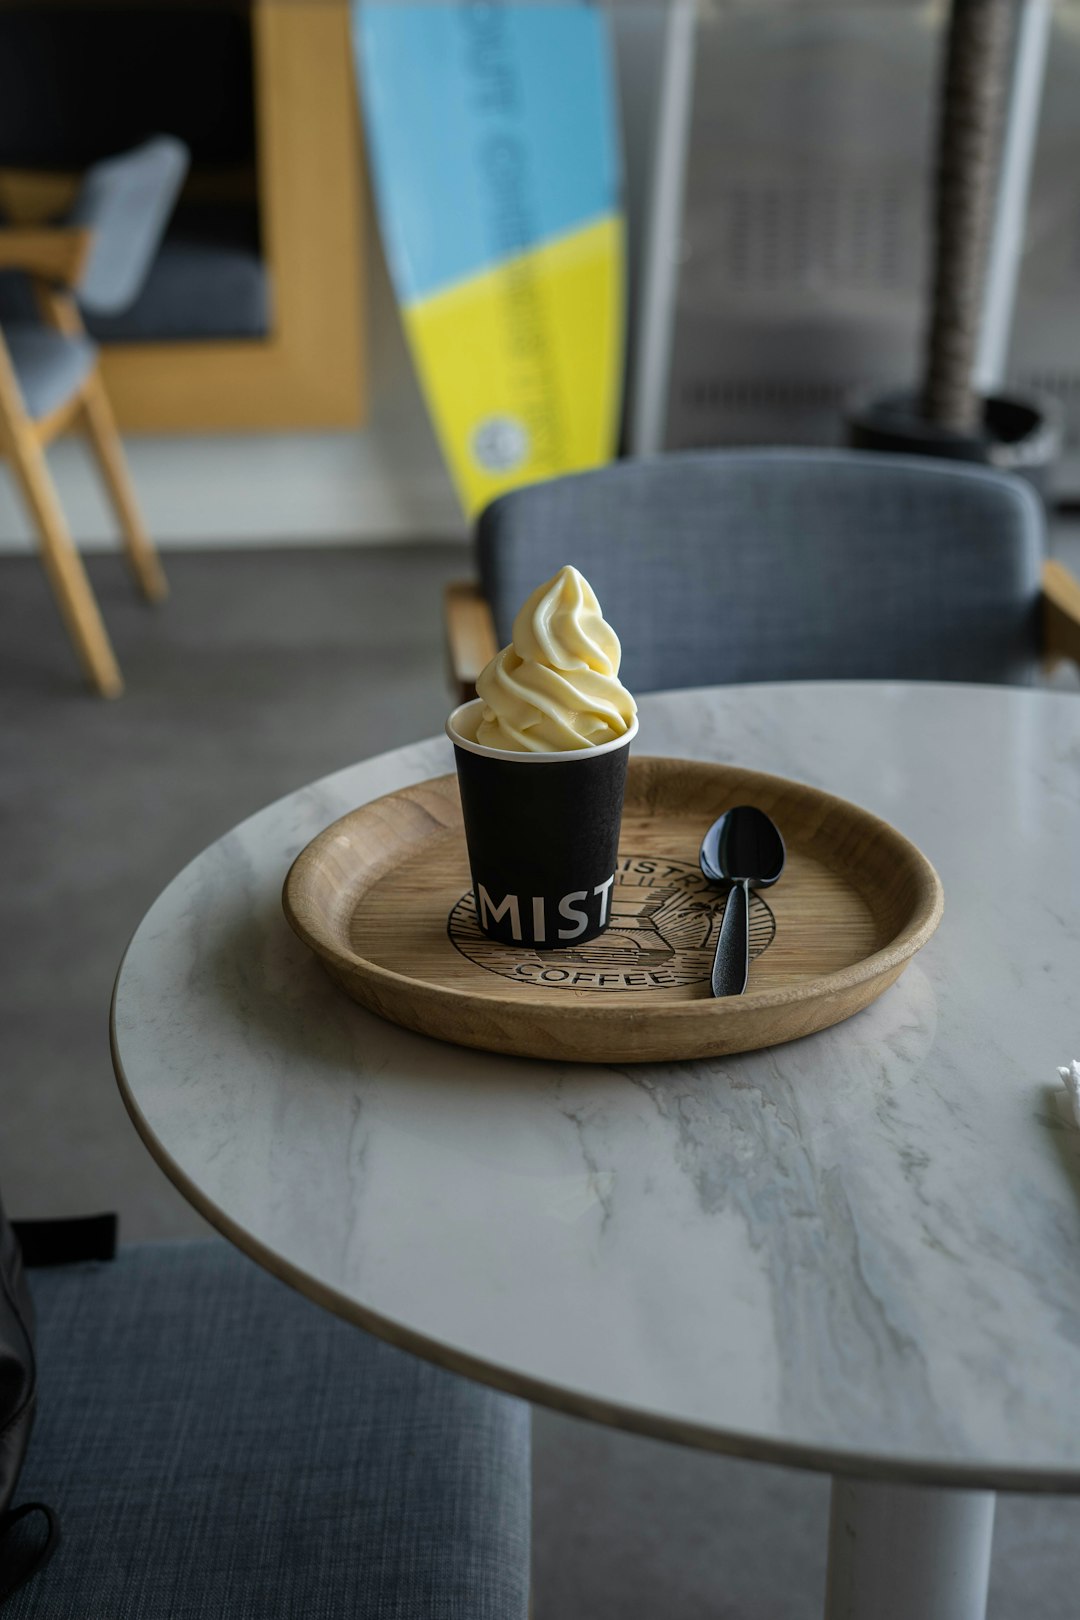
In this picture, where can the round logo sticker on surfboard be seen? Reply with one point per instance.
(500, 443)
(665, 919)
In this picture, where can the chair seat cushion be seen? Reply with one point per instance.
(49, 366)
(218, 1448)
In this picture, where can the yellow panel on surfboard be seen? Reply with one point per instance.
(520, 364)
(492, 132)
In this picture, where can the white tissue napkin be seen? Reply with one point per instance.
(1070, 1079)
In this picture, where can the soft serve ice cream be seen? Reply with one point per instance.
(556, 686)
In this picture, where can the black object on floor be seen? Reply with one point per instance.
(64, 1242)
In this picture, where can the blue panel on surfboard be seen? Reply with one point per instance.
(492, 128)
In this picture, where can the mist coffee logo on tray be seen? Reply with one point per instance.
(662, 931)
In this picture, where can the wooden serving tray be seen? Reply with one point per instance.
(383, 897)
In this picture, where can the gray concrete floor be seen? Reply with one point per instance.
(263, 671)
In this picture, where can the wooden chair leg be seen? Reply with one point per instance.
(63, 565)
(104, 439)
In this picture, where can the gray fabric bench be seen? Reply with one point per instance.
(218, 1448)
(208, 282)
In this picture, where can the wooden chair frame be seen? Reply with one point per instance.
(472, 642)
(54, 259)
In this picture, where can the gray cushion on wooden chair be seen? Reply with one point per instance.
(207, 281)
(49, 366)
(127, 201)
(763, 565)
(218, 1448)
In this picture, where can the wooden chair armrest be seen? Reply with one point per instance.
(1060, 613)
(56, 253)
(470, 635)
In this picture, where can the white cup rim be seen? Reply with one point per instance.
(520, 757)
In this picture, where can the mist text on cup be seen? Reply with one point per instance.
(567, 908)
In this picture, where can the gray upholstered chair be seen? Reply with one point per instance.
(97, 258)
(759, 565)
(212, 1444)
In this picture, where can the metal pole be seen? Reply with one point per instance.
(663, 231)
(908, 1552)
(1030, 50)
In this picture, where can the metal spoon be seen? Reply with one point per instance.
(743, 848)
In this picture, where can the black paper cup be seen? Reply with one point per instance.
(543, 834)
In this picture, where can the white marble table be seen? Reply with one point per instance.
(859, 1252)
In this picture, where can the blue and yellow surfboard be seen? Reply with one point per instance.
(494, 148)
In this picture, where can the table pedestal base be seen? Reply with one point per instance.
(908, 1552)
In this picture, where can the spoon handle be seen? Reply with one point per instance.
(731, 964)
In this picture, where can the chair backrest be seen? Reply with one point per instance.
(127, 201)
(761, 565)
